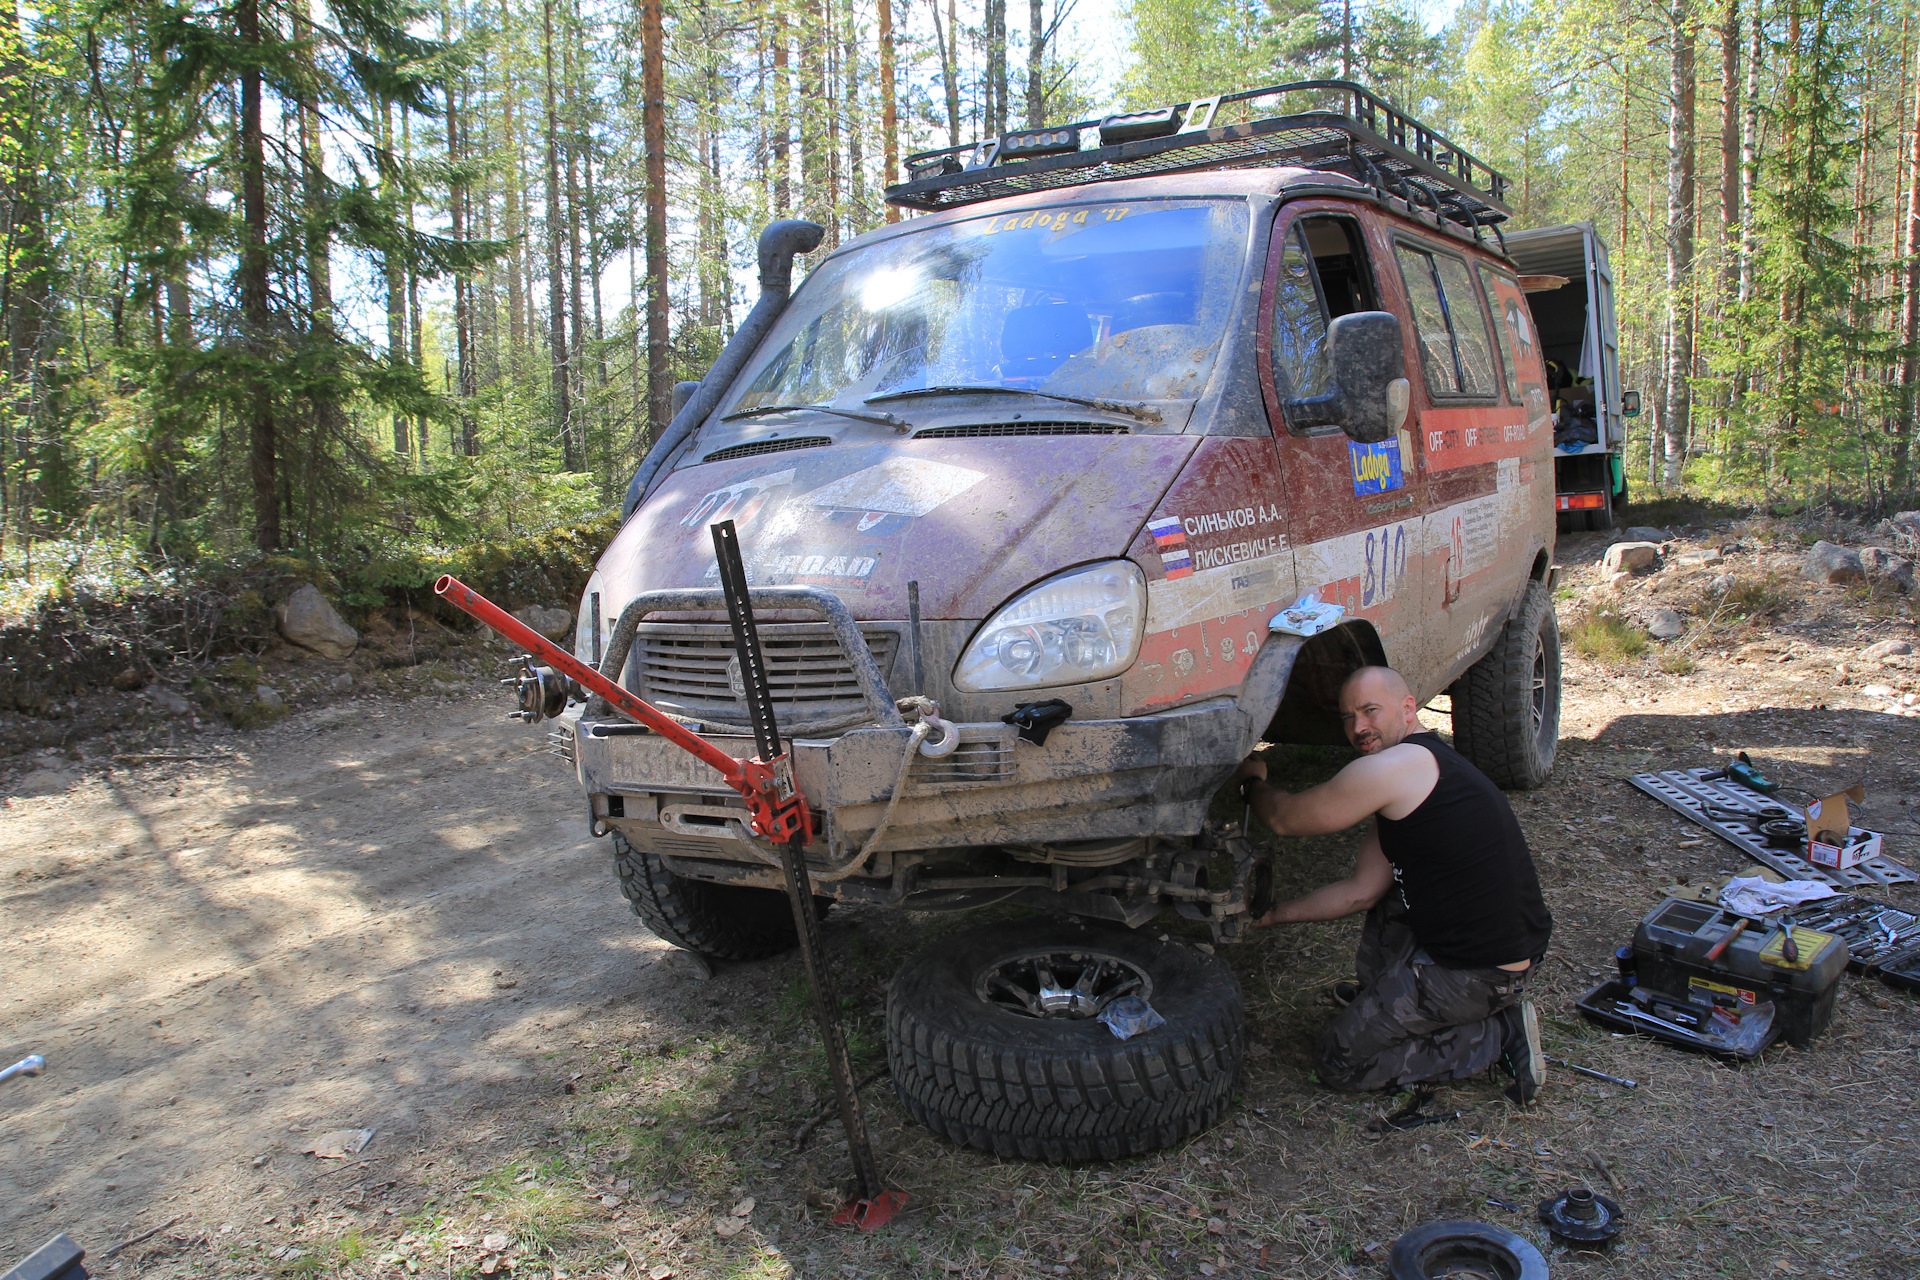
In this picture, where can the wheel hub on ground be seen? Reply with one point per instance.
(1060, 984)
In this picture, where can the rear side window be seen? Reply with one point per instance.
(1518, 346)
(1323, 275)
(1456, 350)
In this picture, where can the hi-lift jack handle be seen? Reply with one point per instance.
(777, 809)
(779, 814)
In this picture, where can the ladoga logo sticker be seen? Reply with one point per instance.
(1376, 467)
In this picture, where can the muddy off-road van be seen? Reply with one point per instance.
(1055, 458)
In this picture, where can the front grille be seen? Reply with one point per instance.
(1021, 429)
(690, 669)
(768, 446)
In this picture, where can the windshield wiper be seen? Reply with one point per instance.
(879, 419)
(1145, 413)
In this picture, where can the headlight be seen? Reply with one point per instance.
(1080, 626)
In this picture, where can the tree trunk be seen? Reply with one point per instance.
(1036, 64)
(996, 68)
(654, 129)
(782, 118)
(1900, 471)
(948, 38)
(394, 277)
(1680, 228)
(556, 278)
(1750, 153)
(856, 179)
(255, 313)
(1730, 208)
(457, 215)
(889, 108)
(576, 294)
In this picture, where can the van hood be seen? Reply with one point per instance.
(972, 520)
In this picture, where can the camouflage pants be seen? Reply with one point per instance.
(1413, 1020)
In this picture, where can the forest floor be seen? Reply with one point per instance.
(383, 912)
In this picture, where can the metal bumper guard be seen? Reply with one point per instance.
(1093, 780)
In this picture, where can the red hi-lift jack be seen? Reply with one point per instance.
(777, 811)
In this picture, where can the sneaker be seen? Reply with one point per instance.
(1344, 993)
(1520, 1051)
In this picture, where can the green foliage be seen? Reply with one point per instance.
(1606, 637)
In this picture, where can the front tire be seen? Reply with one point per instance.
(1063, 1088)
(1506, 707)
(724, 921)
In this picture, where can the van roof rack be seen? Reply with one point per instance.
(1345, 129)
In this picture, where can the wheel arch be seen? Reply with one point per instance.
(1293, 693)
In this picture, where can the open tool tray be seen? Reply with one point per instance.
(1881, 940)
(1734, 813)
(1598, 1006)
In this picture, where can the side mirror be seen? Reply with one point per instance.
(1629, 404)
(683, 392)
(1366, 357)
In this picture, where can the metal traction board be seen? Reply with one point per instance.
(1688, 793)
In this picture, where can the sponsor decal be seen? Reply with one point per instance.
(821, 568)
(1376, 467)
(744, 502)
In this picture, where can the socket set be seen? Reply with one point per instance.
(1880, 939)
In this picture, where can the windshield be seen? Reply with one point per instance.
(1123, 301)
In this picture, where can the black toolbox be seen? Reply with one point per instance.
(1670, 955)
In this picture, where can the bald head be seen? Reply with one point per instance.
(1377, 709)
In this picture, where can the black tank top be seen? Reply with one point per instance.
(1464, 871)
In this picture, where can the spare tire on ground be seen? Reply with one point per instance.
(994, 1042)
(1461, 1249)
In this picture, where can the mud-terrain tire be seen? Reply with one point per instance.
(1506, 707)
(1063, 1089)
(725, 921)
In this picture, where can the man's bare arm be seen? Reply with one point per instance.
(1364, 787)
(1371, 879)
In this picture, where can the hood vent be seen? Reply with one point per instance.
(1022, 429)
(768, 446)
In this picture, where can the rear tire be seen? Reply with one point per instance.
(725, 921)
(1506, 707)
(1063, 1088)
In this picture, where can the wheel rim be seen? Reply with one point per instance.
(1062, 983)
(1538, 708)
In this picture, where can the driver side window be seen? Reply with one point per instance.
(1324, 274)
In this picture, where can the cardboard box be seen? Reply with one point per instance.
(1860, 846)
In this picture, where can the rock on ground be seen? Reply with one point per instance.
(306, 619)
(1827, 562)
(1632, 557)
(1667, 625)
(554, 624)
(1886, 649)
(1647, 533)
(1885, 564)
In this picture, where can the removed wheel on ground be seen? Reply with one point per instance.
(1506, 707)
(1462, 1249)
(725, 921)
(994, 1042)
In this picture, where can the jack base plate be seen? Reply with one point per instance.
(870, 1215)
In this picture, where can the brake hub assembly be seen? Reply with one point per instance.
(1580, 1219)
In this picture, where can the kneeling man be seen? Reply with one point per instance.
(1455, 920)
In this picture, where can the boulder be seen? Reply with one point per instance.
(1667, 625)
(1710, 556)
(306, 619)
(166, 699)
(1647, 533)
(1721, 585)
(1884, 564)
(43, 782)
(1631, 557)
(1886, 649)
(554, 624)
(1617, 581)
(1827, 562)
(269, 695)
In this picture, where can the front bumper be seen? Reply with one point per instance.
(1094, 780)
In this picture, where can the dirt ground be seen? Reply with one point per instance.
(386, 914)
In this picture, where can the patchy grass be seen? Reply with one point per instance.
(1678, 662)
(1607, 637)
